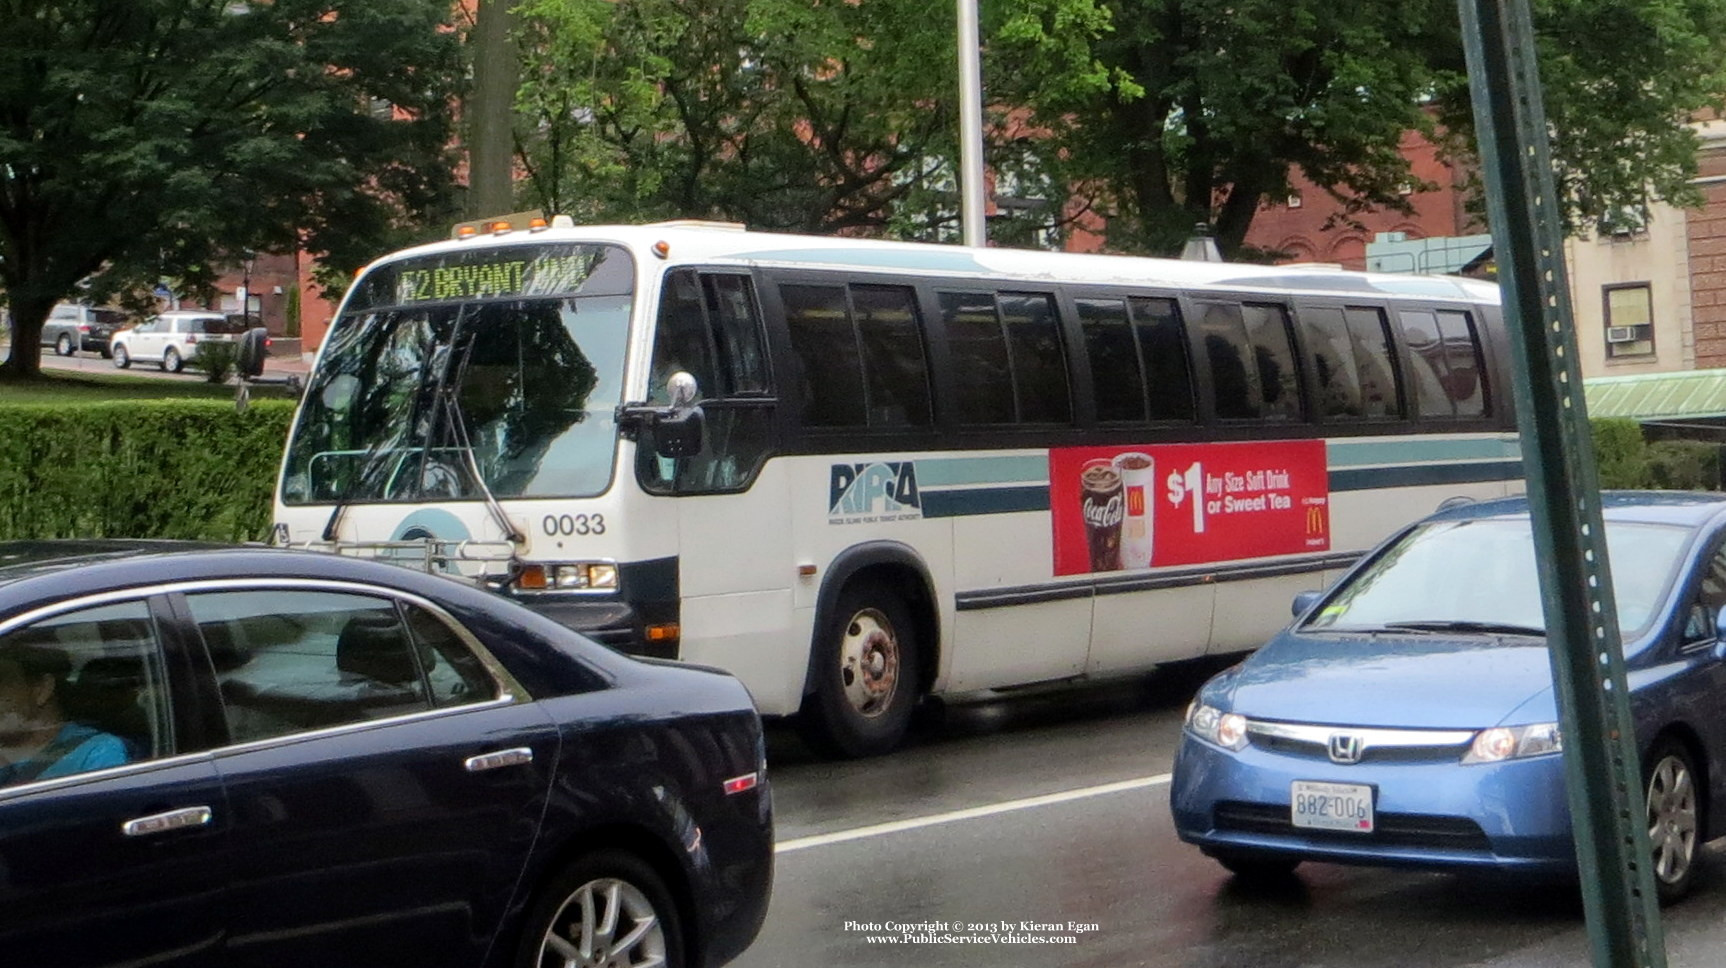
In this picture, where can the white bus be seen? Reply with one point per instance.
(857, 473)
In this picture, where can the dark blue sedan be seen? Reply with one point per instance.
(251, 757)
(1407, 717)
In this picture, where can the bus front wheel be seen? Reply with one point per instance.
(866, 675)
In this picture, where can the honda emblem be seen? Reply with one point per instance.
(1346, 748)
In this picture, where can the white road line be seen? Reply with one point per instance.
(969, 813)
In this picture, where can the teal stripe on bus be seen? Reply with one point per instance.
(1414, 450)
(957, 471)
(1417, 475)
(984, 500)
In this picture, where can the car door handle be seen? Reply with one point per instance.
(161, 823)
(492, 761)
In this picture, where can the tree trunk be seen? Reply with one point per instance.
(28, 315)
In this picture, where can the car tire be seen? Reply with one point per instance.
(122, 359)
(567, 923)
(171, 361)
(106, 352)
(63, 345)
(866, 674)
(1251, 865)
(1675, 809)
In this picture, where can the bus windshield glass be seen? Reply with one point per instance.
(505, 360)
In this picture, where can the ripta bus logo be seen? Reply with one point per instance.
(879, 491)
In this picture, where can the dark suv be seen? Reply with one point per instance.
(71, 327)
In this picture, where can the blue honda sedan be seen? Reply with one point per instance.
(1407, 716)
(254, 757)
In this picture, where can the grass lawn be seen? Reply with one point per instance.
(62, 387)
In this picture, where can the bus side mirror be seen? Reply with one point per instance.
(677, 428)
(677, 432)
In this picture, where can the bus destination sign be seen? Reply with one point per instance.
(551, 270)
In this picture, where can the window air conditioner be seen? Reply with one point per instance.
(1620, 334)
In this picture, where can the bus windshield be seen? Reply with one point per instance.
(409, 399)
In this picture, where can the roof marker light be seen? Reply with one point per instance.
(500, 227)
(466, 232)
(537, 223)
(662, 249)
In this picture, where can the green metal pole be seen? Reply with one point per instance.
(1603, 779)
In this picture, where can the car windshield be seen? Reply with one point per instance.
(108, 317)
(1479, 575)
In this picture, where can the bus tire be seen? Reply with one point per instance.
(866, 674)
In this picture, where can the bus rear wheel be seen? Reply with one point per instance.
(866, 674)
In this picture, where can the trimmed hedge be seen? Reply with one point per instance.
(193, 469)
(1626, 460)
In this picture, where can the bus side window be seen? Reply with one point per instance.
(682, 340)
(1462, 363)
(1273, 353)
(742, 358)
(1118, 382)
(709, 328)
(1013, 335)
(1444, 357)
(1163, 348)
(895, 371)
(826, 345)
(982, 376)
(1039, 360)
(1370, 337)
(1336, 372)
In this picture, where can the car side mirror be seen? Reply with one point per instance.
(1304, 601)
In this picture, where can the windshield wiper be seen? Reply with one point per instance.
(1453, 625)
(444, 393)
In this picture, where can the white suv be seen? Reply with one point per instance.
(171, 339)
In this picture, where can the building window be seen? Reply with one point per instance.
(1629, 320)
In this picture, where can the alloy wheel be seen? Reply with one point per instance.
(605, 923)
(1672, 818)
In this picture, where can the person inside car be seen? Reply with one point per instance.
(37, 742)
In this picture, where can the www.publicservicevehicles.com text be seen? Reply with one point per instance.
(971, 932)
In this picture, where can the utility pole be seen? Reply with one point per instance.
(971, 198)
(490, 109)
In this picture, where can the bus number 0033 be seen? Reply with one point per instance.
(567, 524)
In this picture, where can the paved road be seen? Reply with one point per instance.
(1055, 811)
(275, 367)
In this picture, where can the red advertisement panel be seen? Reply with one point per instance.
(1121, 508)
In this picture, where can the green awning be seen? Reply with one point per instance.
(1654, 396)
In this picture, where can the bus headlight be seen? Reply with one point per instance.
(567, 576)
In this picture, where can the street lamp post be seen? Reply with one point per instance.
(246, 291)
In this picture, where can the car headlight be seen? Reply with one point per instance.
(1502, 743)
(1228, 730)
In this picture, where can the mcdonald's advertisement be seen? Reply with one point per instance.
(1125, 508)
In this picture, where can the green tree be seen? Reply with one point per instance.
(783, 114)
(1209, 104)
(143, 139)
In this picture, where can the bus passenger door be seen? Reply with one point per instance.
(734, 544)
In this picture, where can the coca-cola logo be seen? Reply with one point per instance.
(1105, 515)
